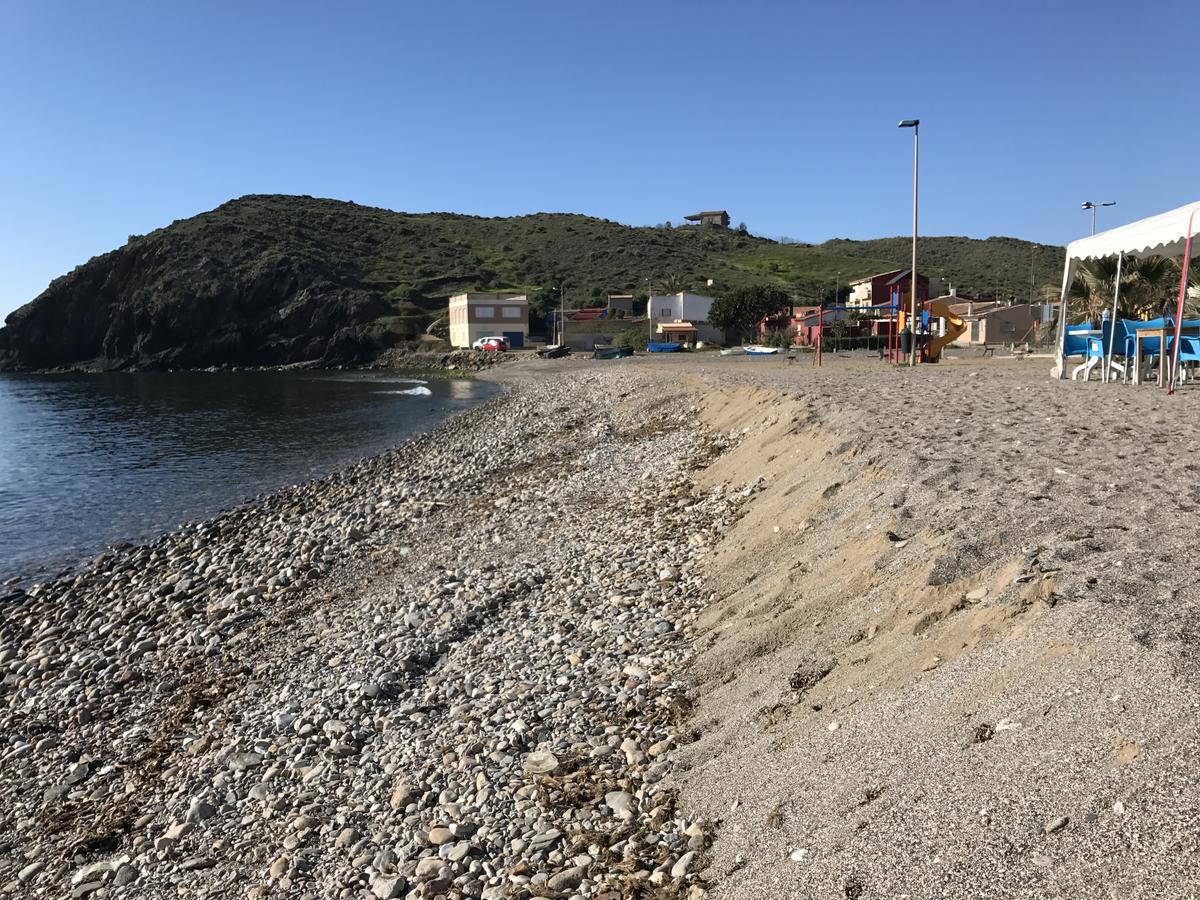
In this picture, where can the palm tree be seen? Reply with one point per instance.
(673, 283)
(1191, 299)
(1145, 286)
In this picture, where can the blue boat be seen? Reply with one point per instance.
(664, 347)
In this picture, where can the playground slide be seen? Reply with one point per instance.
(955, 327)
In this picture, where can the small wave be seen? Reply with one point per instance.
(373, 379)
(411, 392)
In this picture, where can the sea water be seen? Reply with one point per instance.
(91, 460)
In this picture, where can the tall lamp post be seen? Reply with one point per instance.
(915, 125)
(649, 312)
(1088, 204)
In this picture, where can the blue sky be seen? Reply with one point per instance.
(119, 117)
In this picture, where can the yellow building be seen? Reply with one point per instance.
(477, 315)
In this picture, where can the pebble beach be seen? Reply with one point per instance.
(652, 628)
(450, 670)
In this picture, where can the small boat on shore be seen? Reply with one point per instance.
(733, 351)
(760, 350)
(556, 352)
(612, 352)
(664, 347)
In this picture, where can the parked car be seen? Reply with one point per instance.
(481, 344)
(493, 344)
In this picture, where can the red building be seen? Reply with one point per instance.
(886, 287)
(792, 319)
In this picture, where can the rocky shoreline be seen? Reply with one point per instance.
(454, 670)
(449, 362)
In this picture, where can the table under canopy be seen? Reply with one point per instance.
(1166, 234)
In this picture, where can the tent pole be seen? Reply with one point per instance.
(1183, 276)
(1060, 364)
(1112, 321)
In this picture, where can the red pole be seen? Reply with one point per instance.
(891, 328)
(894, 337)
(1187, 257)
(820, 332)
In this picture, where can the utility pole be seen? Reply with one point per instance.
(1031, 279)
(562, 314)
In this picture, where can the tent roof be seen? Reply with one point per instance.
(1161, 235)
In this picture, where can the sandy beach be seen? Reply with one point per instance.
(661, 627)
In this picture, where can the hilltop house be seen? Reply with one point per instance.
(711, 217)
(476, 315)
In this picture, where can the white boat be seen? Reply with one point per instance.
(760, 350)
(733, 351)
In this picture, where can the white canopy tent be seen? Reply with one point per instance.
(1167, 234)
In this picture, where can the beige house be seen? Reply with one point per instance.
(679, 332)
(994, 324)
(620, 303)
(477, 315)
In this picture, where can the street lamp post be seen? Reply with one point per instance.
(1088, 204)
(649, 312)
(915, 125)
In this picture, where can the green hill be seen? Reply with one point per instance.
(997, 266)
(281, 279)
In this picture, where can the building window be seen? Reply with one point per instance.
(510, 312)
(485, 312)
(664, 312)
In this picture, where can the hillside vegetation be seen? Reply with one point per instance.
(267, 280)
(998, 266)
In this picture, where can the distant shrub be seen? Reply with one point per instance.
(781, 337)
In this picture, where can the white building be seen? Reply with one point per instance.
(685, 307)
(681, 307)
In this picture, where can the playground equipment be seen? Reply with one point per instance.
(895, 316)
(955, 328)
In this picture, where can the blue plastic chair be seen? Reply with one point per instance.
(1095, 349)
(1075, 340)
(1189, 354)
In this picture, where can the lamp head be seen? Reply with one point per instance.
(1088, 204)
(909, 123)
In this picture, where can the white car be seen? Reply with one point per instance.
(479, 344)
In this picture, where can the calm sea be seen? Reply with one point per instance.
(90, 460)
